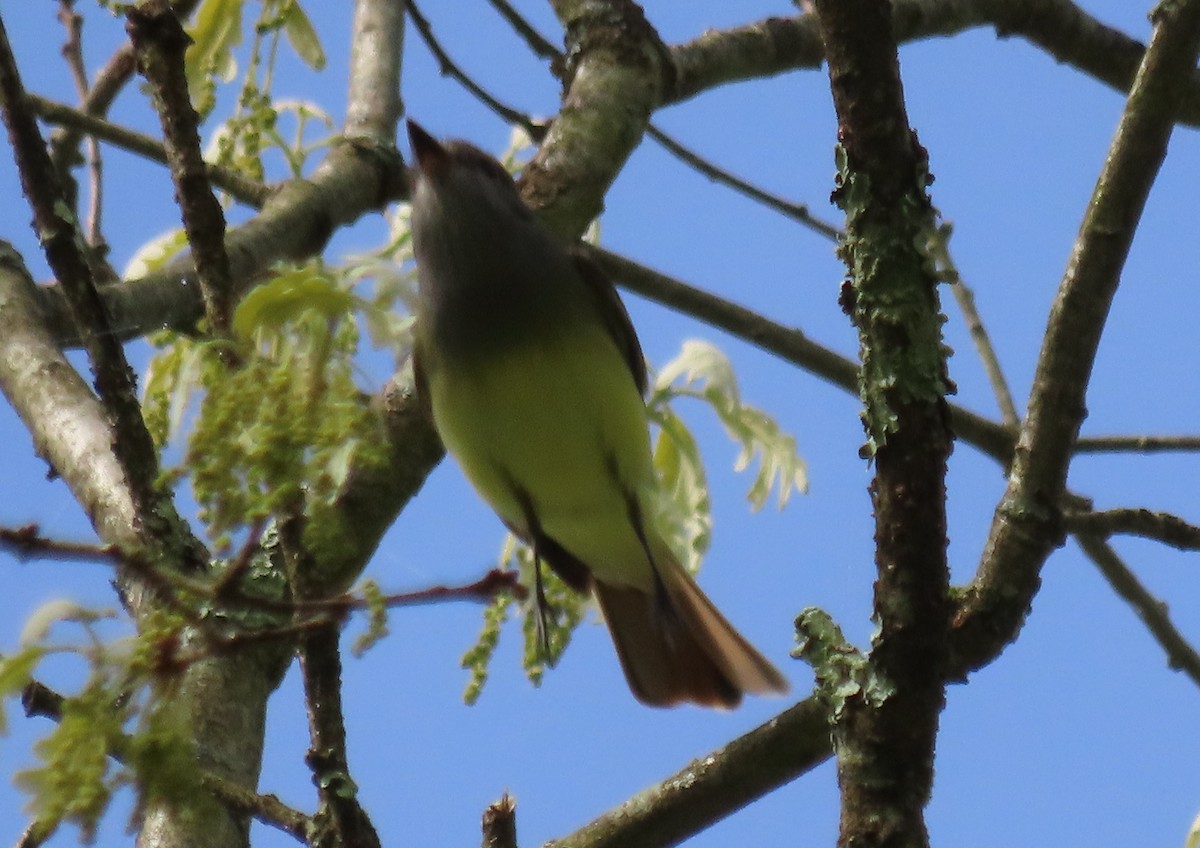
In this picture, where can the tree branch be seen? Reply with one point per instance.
(373, 106)
(62, 242)
(1160, 526)
(1059, 27)
(885, 736)
(451, 69)
(617, 74)
(72, 51)
(965, 298)
(798, 212)
(1137, 444)
(1181, 656)
(159, 42)
(107, 84)
(238, 185)
(1028, 524)
(713, 786)
(788, 343)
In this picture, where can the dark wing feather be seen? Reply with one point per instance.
(612, 312)
(420, 382)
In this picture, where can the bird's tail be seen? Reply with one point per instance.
(675, 646)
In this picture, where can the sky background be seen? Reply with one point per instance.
(1078, 734)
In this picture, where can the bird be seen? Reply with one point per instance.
(531, 370)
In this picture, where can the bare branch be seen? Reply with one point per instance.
(238, 185)
(339, 812)
(1160, 526)
(105, 87)
(72, 51)
(1028, 524)
(618, 72)
(1137, 444)
(62, 243)
(451, 69)
(885, 736)
(373, 106)
(1059, 27)
(159, 42)
(796, 211)
(68, 424)
(1181, 656)
(712, 787)
(26, 543)
(965, 298)
(788, 343)
(539, 44)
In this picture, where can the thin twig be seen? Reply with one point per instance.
(159, 41)
(787, 343)
(339, 811)
(965, 298)
(796, 211)
(1137, 444)
(27, 543)
(61, 241)
(1027, 524)
(1181, 656)
(106, 85)
(72, 51)
(539, 44)
(451, 69)
(715, 785)
(236, 184)
(1159, 526)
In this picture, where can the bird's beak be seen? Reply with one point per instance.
(430, 156)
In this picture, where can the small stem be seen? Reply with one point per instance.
(238, 185)
(1181, 656)
(796, 211)
(1160, 526)
(1137, 444)
(451, 69)
(159, 41)
(965, 298)
(58, 232)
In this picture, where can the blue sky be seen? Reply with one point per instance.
(1078, 734)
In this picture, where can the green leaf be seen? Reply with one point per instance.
(155, 254)
(700, 362)
(478, 657)
(302, 36)
(1193, 836)
(703, 372)
(72, 783)
(377, 619)
(15, 673)
(287, 297)
(216, 30)
(37, 626)
(683, 512)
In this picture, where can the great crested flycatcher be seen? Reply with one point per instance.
(534, 377)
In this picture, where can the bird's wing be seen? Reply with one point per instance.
(612, 311)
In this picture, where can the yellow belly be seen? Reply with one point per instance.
(561, 423)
